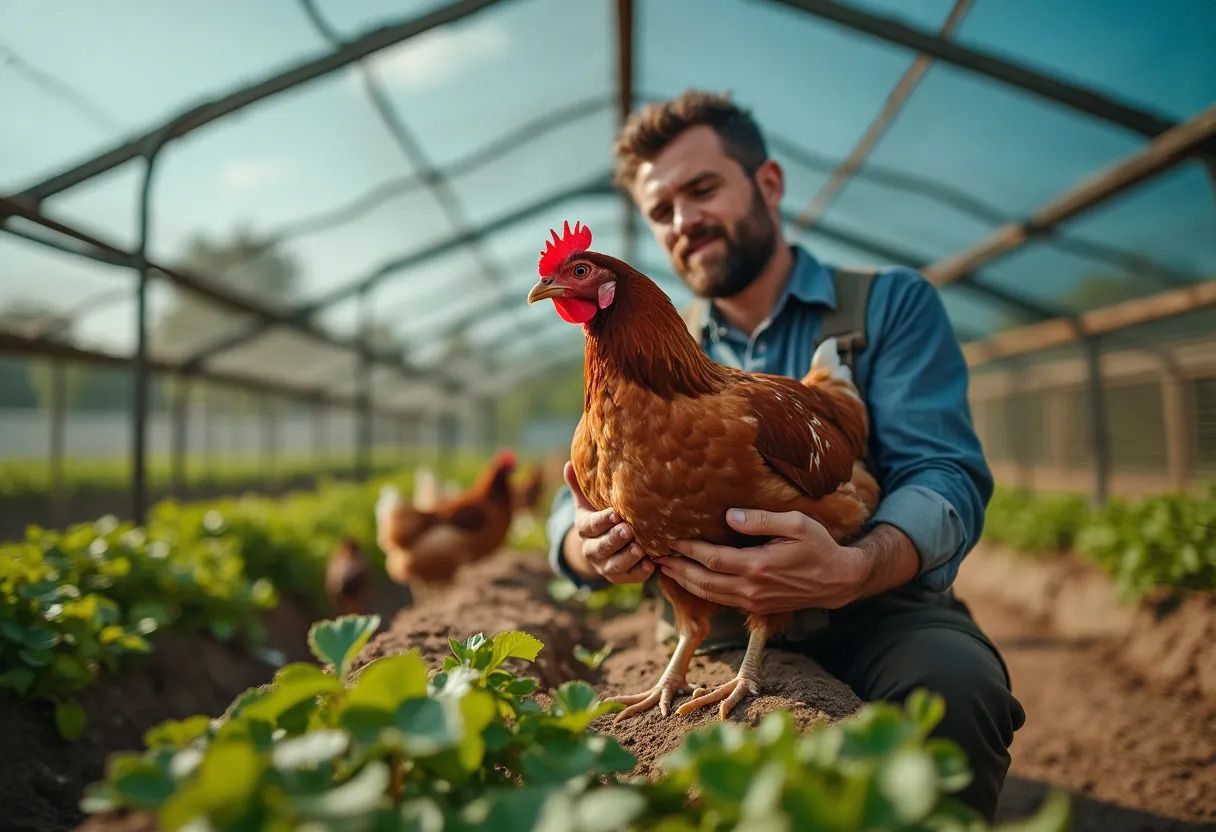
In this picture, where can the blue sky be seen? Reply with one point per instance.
(141, 61)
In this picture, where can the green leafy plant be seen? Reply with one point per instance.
(73, 604)
(476, 747)
(1165, 542)
(592, 659)
(617, 597)
(387, 749)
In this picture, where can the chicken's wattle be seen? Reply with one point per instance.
(575, 310)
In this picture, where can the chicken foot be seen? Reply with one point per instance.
(672, 682)
(746, 681)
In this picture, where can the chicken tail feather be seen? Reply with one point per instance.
(827, 357)
(388, 502)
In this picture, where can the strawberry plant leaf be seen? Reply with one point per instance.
(17, 678)
(293, 685)
(950, 762)
(339, 640)
(359, 795)
(424, 727)
(143, 786)
(388, 681)
(514, 644)
(609, 809)
(174, 733)
(37, 638)
(70, 719)
(522, 687)
(907, 780)
(310, 749)
(220, 791)
(925, 709)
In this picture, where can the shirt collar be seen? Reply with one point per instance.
(809, 282)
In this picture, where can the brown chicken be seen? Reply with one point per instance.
(528, 493)
(671, 439)
(428, 547)
(347, 579)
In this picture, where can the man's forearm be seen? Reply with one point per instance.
(889, 560)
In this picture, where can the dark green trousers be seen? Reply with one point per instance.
(887, 646)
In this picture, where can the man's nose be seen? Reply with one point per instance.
(685, 219)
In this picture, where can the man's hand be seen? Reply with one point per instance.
(800, 567)
(599, 545)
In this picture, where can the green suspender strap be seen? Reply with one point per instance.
(847, 322)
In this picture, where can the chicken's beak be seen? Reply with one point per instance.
(545, 290)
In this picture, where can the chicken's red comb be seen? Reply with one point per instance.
(558, 250)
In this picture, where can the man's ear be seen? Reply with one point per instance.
(771, 179)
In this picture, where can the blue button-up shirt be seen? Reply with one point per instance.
(927, 458)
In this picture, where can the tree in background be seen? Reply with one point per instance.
(247, 264)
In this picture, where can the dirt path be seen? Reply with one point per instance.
(1136, 755)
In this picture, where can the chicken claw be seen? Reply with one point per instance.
(670, 683)
(733, 692)
(661, 693)
(746, 681)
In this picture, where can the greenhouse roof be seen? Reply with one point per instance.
(1043, 163)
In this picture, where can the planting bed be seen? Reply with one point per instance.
(509, 593)
(42, 776)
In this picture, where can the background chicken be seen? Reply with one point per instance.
(530, 489)
(671, 439)
(428, 546)
(347, 579)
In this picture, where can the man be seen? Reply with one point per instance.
(698, 169)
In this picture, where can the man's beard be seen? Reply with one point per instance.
(746, 251)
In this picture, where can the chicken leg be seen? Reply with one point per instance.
(691, 630)
(746, 681)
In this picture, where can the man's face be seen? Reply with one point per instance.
(715, 222)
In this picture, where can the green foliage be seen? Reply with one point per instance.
(73, 603)
(1039, 523)
(471, 748)
(618, 597)
(1163, 542)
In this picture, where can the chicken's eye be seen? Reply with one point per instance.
(580, 271)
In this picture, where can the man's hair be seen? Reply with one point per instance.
(648, 131)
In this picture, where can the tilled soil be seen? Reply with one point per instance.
(1137, 754)
(42, 776)
(509, 593)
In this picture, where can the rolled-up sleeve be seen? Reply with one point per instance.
(935, 481)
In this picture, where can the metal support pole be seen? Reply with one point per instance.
(177, 460)
(209, 449)
(58, 403)
(1099, 435)
(139, 362)
(267, 438)
(363, 416)
(319, 456)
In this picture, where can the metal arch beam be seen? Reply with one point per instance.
(595, 187)
(1073, 96)
(238, 99)
(1170, 149)
(625, 60)
(893, 254)
(410, 147)
(1062, 331)
(890, 111)
(959, 200)
(12, 344)
(520, 136)
(267, 315)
